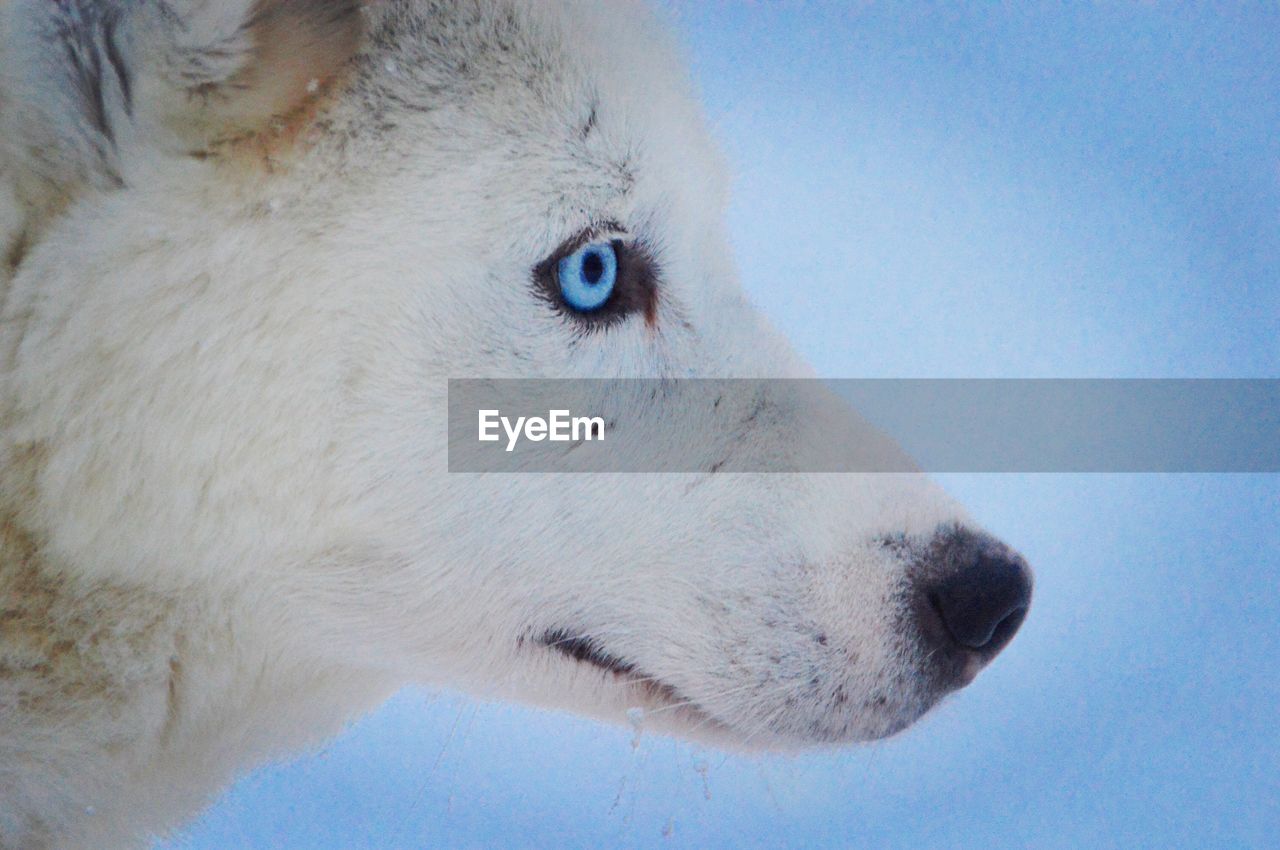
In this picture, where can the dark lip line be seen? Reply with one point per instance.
(586, 649)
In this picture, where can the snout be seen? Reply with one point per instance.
(969, 595)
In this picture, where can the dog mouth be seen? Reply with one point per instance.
(625, 686)
(586, 649)
(658, 695)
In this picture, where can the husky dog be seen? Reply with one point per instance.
(245, 244)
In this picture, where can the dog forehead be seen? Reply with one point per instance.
(601, 85)
(544, 44)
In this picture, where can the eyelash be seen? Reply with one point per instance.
(636, 289)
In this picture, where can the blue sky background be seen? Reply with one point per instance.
(1017, 190)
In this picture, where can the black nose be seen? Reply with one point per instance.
(978, 590)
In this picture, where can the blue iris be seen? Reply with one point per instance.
(588, 275)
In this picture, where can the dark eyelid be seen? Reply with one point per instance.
(605, 230)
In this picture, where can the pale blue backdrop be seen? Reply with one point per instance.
(1022, 191)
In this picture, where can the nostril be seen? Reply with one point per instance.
(975, 626)
(1007, 628)
(982, 604)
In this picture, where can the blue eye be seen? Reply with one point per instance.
(587, 276)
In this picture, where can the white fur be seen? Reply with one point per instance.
(227, 524)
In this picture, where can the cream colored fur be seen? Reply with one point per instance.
(234, 288)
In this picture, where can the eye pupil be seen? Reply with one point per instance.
(592, 268)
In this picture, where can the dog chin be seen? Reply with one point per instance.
(589, 680)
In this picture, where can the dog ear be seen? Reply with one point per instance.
(227, 68)
(87, 86)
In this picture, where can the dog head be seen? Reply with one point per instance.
(259, 237)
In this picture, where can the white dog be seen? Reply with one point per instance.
(245, 243)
